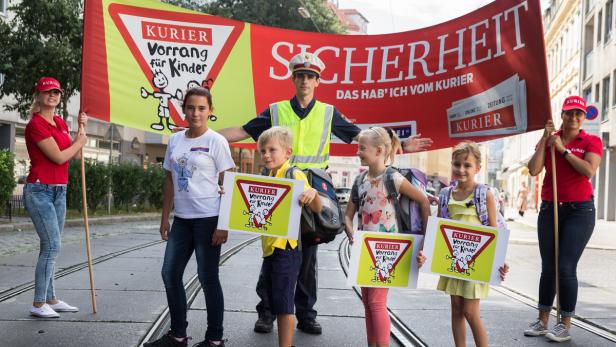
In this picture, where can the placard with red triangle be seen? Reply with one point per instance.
(479, 240)
(199, 43)
(255, 194)
(397, 246)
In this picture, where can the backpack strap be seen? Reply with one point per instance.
(443, 198)
(355, 189)
(290, 173)
(392, 196)
(481, 203)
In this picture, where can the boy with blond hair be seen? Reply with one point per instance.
(282, 257)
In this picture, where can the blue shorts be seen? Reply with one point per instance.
(280, 271)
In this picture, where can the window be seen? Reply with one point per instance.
(608, 20)
(605, 97)
(599, 20)
(597, 92)
(614, 89)
(587, 94)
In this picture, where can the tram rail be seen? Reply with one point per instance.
(399, 331)
(192, 287)
(24, 287)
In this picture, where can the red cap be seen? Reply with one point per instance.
(574, 103)
(48, 83)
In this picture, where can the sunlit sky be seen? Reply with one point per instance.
(387, 16)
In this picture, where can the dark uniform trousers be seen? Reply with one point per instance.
(305, 290)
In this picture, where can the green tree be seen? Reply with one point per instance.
(276, 13)
(43, 39)
(97, 184)
(7, 176)
(127, 179)
(153, 185)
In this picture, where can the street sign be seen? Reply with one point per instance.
(592, 124)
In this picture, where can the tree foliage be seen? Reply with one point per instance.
(276, 13)
(43, 39)
(7, 176)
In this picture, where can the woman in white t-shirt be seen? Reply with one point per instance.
(195, 160)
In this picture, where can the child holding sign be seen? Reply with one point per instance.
(377, 147)
(465, 295)
(282, 257)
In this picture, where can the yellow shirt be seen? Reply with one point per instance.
(269, 243)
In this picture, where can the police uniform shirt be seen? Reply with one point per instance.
(342, 128)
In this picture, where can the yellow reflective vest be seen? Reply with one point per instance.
(311, 135)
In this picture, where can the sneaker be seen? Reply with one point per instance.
(310, 326)
(536, 328)
(61, 306)
(264, 325)
(560, 333)
(210, 343)
(44, 311)
(167, 341)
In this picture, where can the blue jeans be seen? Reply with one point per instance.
(46, 205)
(186, 236)
(576, 221)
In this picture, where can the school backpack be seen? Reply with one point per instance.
(480, 202)
(317, 228)
(408, 212)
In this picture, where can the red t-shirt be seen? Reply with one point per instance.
(570, 184)
(42, 169)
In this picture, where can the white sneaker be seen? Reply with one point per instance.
(44, 311)
(560, 333)
(61, 306)
(536, 328)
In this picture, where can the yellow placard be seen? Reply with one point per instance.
(463, 250)
(384, 260)
(261, 205)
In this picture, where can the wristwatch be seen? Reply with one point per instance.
(566, 152)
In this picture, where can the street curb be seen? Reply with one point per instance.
(532, 242)
(76, 222)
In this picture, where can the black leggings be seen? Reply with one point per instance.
(576, 221)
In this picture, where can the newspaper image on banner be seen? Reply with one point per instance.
(501, 110)
(465, 251)
(380, 259)
(262, 205)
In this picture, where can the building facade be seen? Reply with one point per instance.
(581, 58)
(598, 85)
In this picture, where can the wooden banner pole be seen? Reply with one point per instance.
(87, 226)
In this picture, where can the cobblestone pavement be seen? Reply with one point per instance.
(15, 242)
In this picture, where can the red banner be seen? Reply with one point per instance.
(479, 77)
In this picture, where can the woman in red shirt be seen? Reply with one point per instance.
(50, 148)
(577, 157)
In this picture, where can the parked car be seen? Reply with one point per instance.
(343, 195)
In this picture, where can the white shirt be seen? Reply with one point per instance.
(195, 164)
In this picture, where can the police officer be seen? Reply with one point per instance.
(312, 122)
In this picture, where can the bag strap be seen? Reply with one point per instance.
(481, 203)
(355, 189)
(392, 196)
(443, 196)
(290, 174)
